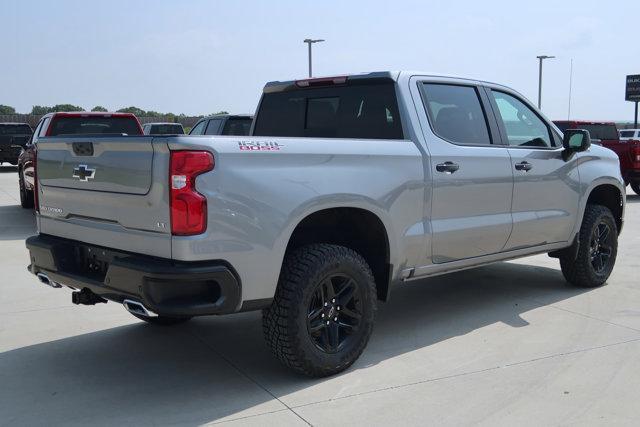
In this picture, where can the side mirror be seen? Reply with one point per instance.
(576, 140)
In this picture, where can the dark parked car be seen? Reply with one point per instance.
(163, 129)
(223, 124)
(93, 124)
(13, 138)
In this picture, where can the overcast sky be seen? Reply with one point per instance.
(198, 57)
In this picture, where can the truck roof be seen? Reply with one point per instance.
(163, 123)
(88, 114)
(277, 86)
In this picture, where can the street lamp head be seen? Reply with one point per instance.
(313, 40)
(545, 57)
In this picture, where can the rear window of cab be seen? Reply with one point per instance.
(91, 125)
(366, 110)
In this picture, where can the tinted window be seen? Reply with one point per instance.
(237, 126)
(562, 125)
(523, 126)
(600, 131)
(367, 110)
(166, 129)
(94, 125)
(213, 128)
(15, 130)
(43, 129)
(456, 113)
(626, 133)
(198, 129)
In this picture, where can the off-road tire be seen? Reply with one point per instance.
(163, 320)
(635, 186)
(580, 271)
(285, 322)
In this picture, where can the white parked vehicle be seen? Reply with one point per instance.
(629, 134)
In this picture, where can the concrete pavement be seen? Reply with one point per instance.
(507, 344)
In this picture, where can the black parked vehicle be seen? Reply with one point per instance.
(13, 138)
(223, 124)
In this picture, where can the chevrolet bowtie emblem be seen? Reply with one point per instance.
(84, 173)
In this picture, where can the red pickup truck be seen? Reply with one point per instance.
(607, 133)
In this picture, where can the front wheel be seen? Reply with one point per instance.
(598, 247)
(635, 186)
(323, 311)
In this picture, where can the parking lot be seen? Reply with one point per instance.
(504, 344)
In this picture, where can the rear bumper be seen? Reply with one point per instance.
(167, 287)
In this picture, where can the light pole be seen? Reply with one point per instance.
(541, 58)
(310, 42)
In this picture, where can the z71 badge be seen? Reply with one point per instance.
(259, 146)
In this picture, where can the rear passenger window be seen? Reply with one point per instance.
(213, 128)
(456, 113)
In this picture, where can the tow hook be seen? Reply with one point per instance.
(86, 297)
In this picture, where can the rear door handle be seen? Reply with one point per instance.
(524, 166)
(447, 167)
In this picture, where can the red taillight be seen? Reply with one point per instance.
(188, 207)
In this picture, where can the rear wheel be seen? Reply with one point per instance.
(635, 186)
(598, 247)
(26, 196)
(322, 314)
(162, 320)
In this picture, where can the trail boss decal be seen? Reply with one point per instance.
(259, 146)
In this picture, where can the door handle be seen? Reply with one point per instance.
(447, 167)
(524, 166)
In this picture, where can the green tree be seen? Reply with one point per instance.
(5, 109)
(134, 110)
(66, 107)
(39, 110)
(99, 108)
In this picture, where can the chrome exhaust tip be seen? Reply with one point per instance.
(45, 280)
(135, 307)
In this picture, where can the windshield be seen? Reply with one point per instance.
(15, 130)
(94, 125)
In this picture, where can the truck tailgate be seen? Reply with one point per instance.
(109, 191)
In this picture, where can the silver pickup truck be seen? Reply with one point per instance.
(347, 186)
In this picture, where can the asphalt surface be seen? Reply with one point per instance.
(508, 344)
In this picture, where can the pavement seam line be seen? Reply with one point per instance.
(248, 416)
(247, 376)
(593, 318)
(462, 374)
